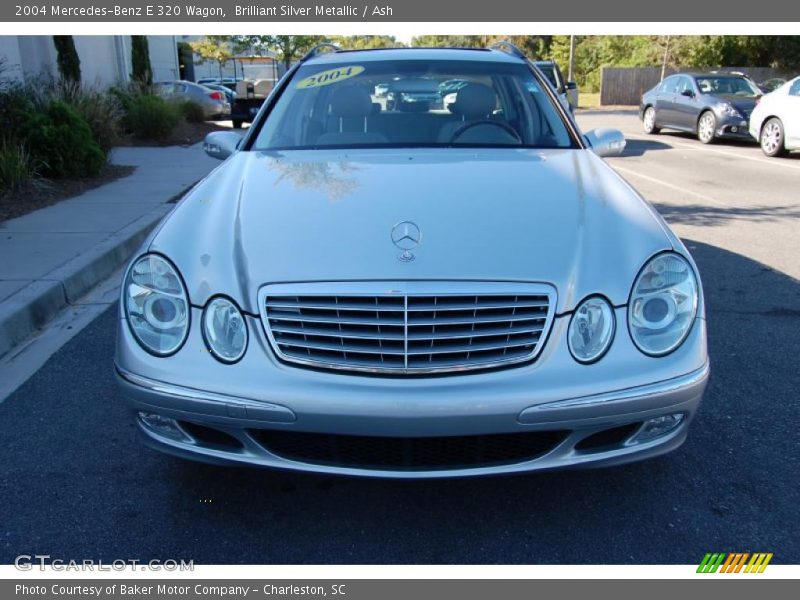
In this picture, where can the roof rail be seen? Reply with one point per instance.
(508, 48)
(318, 49)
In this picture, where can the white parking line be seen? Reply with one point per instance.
(684, 190)
(775, 162)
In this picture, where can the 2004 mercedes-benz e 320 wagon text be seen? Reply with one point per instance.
(423, 290)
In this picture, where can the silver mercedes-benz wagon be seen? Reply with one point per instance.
(450, 284)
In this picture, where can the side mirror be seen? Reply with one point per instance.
(571, 85)
(687, 93)
(221, 144)
(606, 142)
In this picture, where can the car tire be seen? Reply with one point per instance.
(649, 121)
(771, 138)
(237, 123)
(706, 127)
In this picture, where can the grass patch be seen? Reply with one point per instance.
(589, 100)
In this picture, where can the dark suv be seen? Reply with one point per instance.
(709, 105)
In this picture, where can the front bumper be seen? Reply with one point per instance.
(222, 411)
(732, 127)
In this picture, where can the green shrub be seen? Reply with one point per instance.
(192, 111)
(151, 117)
(16, 107)
(101, 109)
(62, 141)
(17, 167)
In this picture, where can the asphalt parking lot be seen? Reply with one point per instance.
(75, 483)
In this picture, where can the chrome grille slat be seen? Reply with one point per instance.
(402, 328)
(335, 320)
(400, 351)
(278, 329)
(415, 308)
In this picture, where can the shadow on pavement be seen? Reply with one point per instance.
(639, 147)
(75, 482)
(710, 216)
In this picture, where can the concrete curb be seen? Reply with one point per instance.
(33, 306)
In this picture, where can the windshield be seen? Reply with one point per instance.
(737, 86)
(413, 103)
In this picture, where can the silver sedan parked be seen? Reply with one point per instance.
(453, 290)
(214, 103)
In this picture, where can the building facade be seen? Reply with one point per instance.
(105, 59)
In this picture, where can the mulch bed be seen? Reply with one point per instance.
(185, 134)
(46, 192)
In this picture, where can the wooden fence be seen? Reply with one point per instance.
(625, 85)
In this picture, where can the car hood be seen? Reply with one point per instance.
(555, 216)
(741, 104)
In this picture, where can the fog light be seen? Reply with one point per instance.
(162, 425)
(734, 129)
(658, 426)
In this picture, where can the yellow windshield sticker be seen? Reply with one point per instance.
(329, 77)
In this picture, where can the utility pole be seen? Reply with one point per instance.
(664, 62)
(571, 70)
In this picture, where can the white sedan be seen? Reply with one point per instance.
(775, 122)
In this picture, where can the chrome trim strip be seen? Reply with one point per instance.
(406, 289)
(176, 391)
(643, 391)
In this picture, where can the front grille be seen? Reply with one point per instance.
(408, 331)
(408, 454)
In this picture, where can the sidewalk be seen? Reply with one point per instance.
(53, 256)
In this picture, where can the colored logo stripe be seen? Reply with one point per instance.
(711, 563)
(734, 562)
(758, 563)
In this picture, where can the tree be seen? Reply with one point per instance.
(449, 41)
(69, 64)
(140, 60)
(218, 48)
(534, 47)
(287, 47)
(363, 42)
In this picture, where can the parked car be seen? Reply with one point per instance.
(228, 82)
(413, 94)
(214, 103)
(230, 95)
(371, 292)
(566, 90)
(709, 105)
(770, 85)
(775, 121)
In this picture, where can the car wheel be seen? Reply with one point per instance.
(649, 120)
(706, 127)
(237, 123)
(771, 138)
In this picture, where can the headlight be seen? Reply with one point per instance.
(663, 304)
(224, 330)
(591, 329)
(730, 110)
(156, 305)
